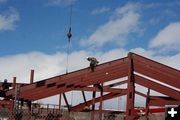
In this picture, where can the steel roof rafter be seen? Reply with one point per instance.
(107, 72)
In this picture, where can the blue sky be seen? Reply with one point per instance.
(33, 34)
(42, 25)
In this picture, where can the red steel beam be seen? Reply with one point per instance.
(157, 87)
(161, 98)
(158, 100)
(157, 74)
(62, 79)
(82, 81)
(49, 89)
(53, 91)
(82, 72)
(141, 94)
(116, 84)
(113, 90)
(115, 69)
(161, 67)
(106, 88)
(104, 97)
(154, 100)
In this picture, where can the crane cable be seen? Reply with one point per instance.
(69, 35)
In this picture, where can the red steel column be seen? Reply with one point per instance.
(32, 76)
(14, 82)
(93, 105)
(147, 104)
(92, 115)
(84, 97)
(60, 103)
(66, 101)
(29, 102)
(131, 90)
(101, 100)
(14, 86)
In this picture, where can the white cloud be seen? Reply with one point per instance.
(62, 3)
(168, 38)
(45, 65)
(8, 19)
(172, 61)
(143, 52)
(100, 10)
(123, 22)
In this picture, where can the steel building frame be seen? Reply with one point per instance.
(138, 70)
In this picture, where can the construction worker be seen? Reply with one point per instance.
(93, 62)
(5, 85)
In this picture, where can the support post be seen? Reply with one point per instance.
(131, 90)
(48, 108)
(14, 87)
(66, 101)
(32, 77)
(93, 105)
(22, 102)
(101, 104)
(147, 104)
(84, 97)
(92, 115)
(14, 82)
(31, 81)
(60, 103)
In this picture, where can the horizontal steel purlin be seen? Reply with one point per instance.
(104, 97)
(159, 100)
(157, 87)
